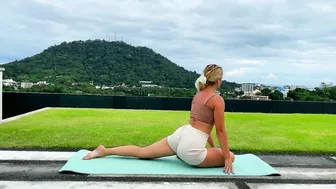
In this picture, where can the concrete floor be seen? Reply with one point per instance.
(160, 185)
(292, 186)
(34, 169)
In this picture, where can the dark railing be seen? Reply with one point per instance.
(19, 103)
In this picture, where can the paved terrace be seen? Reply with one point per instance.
(39, 169)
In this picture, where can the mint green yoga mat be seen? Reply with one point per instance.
(244, 165)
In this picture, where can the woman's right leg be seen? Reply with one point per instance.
(156, 150)
(214, 158)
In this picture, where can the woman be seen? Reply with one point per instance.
(189, 141)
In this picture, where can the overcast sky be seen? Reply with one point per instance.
(264, 41)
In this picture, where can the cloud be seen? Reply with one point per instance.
(248, 62)
(319, 7)
(238, 72)
(251, 39)
(271, 76)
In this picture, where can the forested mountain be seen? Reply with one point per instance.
(104, 63)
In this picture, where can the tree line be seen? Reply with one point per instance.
(300, 94)
(325, 94)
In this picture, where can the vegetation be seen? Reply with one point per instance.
(113, 63)
(103, 63)
(247, 132)
(119, 91)
(325, 94)
(299, 94)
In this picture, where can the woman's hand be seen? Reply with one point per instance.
(228, 168)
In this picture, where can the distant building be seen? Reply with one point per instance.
(247, 87)
(259, 97)
(293, 87)
(238, 89)
(326, 85)
(42, 83)
(8, 82)
(26, 85)
(283, 91)
(255, 92)
(145, 82)
(149, 85)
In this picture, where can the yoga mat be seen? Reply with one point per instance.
(244, 165)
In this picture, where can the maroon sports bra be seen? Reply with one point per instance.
(202, 113)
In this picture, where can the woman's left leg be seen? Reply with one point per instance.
(156, 150)
(215, 158)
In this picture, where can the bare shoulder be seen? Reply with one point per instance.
(217, 101)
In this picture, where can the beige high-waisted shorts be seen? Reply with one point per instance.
(189, 144)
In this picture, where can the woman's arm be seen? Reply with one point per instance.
(221, 134)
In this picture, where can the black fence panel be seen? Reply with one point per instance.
(119, 102)
(329, 108)
(85, 101)
(19, 103)
(260, 106)
(311, 107)
(176, 104)
(141, 102)
(283, 107)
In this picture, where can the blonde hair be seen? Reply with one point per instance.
(209, 76)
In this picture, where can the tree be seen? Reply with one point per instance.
(288, 98)
(266, 91)
(8, 88)
(276, 95)
(332, 93)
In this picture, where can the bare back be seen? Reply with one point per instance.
(208, 100)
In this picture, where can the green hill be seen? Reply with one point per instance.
(104, 63)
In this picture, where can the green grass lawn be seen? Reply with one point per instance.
(248, 132)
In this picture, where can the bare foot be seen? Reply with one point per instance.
(98, 152)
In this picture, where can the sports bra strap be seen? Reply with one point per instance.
(210, 98)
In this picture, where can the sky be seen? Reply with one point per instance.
(281, 42)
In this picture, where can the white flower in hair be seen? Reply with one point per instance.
(201, 79)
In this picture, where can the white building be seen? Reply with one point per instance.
(8, 82)
(325, 85)
(41, 82)
(247, 87)
(145, 82)
(237, 89)
(259, 98)
(26, 85)
(149, 85)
